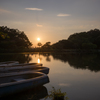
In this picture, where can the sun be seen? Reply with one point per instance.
(38, 39)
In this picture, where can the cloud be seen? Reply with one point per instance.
(38, 9)
(63, 15)
(39, 25)
(64, 85)
(4, 11)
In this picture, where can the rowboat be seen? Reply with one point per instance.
(21, 82)
(21, 66)
(24, 64)
(7, 72)
(9, 63)
(17, 64)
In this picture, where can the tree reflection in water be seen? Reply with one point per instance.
(79, 61)
(21, 58)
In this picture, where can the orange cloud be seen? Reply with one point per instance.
(63, 15)
(39, 25)
(38, 9)
(4, 11)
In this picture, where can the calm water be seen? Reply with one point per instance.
(77, 75)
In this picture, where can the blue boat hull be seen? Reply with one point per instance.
(21, 85)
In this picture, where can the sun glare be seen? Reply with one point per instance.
(38, 39)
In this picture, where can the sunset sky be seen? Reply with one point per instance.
(50, 20)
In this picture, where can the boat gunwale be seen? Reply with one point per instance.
(29, 67)
(22, 64)
(42, 75)
(16, 67)
(22, 72)
(8, 62)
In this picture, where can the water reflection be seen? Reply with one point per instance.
(38, 60)
(48, 59)
(64, 85)
(78, 84)
(21, 58)
(31, 94)
(78, 61)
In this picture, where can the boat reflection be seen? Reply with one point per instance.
(31, 94)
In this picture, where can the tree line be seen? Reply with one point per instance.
(13, 39)
(82, 41)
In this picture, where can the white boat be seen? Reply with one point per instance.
(20, 82)
(9, 63)
(7, 72)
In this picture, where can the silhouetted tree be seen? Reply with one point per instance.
(39, 44)
(46, 45)
(13, 39)
(82, 40)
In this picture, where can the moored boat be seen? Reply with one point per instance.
(21, 66)
(7, 72)
(24, 64)
(9, 63)
(20, 82)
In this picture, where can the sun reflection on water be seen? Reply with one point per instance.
(38, 60)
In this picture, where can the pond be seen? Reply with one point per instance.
(76, 74)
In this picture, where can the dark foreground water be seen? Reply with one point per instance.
(76, 74)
